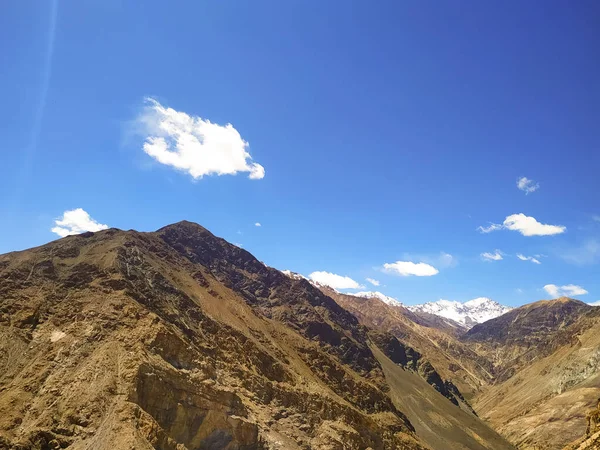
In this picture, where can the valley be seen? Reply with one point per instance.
(177, 339)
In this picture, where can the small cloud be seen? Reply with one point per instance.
(526, 225)
(76, 221)
(519, 290)
(496, 256)
(334, 281)
(596, 218)
(526, 185)
(194, 145)
(491, 227)
(373, 281)
(528, 258)
(257, 224)
(596, 303)
(238, 232)
(568, 290)
(442, 259)
(447, 260)
(409, 268)
(237, 244)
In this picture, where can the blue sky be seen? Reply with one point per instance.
(386, 132)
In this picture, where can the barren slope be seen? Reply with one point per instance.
(437, 341)
(179, 340)
(549, 368)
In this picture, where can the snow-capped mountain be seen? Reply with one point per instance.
(294, 275)
(374, 294)
(467, 314)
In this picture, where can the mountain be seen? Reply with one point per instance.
(429, 335)
(546, 358)
(177, 340)
(466, 314)
(384, 298)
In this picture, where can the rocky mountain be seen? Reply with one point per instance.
(532, 373)
(546, 358)
(466, 314)
(178, 340)
(428, 334)
(378, 295)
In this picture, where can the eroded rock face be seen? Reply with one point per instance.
(178, 340)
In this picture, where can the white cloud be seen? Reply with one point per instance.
(76, 221)
(195, 145)
(526, 225)
(596, 303)
(490, 228)
(334, 281)
(442, 260)
(519, 290)
(528, 258)
(496, 256)
(529, 226)
(257, 224)
(567, 290)
(373, 281)
(408, 268)
(237, 244)
(596, 218)
(526, 185)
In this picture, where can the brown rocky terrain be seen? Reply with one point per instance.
(178, 340)
(546, 357)
(532, 373)
(429, 335)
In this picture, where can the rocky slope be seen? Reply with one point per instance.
(547, 359)
(429, 335)
(180, 340)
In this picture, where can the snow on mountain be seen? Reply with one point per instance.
(294, 275)
(374, 294)
(467, 314)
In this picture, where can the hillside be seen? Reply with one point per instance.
(547, 359)
(433, 337)
(179, 340)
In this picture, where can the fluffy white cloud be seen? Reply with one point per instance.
(568, 290)
(257, 224)
(76, 221)
(528, 258)
(194, 145)
(526, 185)
(373, 281)
(596, 303)
(408, 268)
(334, 281)
(526, 225)
(488, 256)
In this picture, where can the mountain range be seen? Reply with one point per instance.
(177, 339)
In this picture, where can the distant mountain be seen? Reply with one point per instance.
(546, 358)
(374, 294)
(466, 314)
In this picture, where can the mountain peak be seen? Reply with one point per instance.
(378, 295)
(467, 314)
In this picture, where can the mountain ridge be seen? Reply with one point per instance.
(178, 339)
